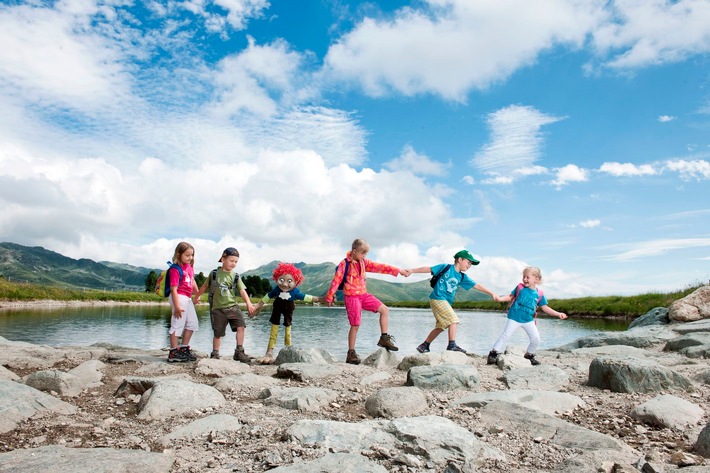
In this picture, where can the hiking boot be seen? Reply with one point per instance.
(352, 358)
(492, 357)
(176, 355)
(531, 357)
(187, 353)
(423, 348)
(456, 348)
(386, 342)
(214, 354)
(239, 355)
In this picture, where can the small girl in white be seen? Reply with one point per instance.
(521, 313)
(183, 323)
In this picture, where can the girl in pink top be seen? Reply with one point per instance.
(356, 296)
(183, 323)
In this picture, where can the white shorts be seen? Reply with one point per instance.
(188, 321)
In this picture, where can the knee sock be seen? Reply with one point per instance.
(272, 336)
(287, 336)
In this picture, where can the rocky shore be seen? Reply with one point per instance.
(612, 402)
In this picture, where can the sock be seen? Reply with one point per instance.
(426, 344)
(287, 336)
(452, 343)
(384, 333)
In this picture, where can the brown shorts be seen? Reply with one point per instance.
(220, 318)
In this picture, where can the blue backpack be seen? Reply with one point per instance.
(162, 285)
(519, 288)
(345, 273)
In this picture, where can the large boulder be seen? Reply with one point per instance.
(62, 383)
(634, 375)
(668, 411)
(443, 377)
(401, 401)
(657, 316)
(169, 398)
(20, 402)
(692, 307)
(304, 355)
(702, 445)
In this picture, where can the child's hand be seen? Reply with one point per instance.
(177, 313)
(563, 316)
(405, 272)
(195, 300)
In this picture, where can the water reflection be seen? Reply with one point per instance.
(322, 327)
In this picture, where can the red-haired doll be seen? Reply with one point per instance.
(287, 278)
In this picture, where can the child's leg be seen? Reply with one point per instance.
(216, 343)
(452, 332)
(433, 334)
(352, 336)
(384, 311)
(272, 337)
(287, 336)
(186, 336)
(534, 336)
(240, 336)
(173, 340)
(510, 327)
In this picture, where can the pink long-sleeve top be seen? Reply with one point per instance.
(355, 279)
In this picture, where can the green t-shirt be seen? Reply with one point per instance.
(223, 294)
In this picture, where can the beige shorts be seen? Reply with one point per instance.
(443, 313)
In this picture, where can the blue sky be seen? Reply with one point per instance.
(569, 135)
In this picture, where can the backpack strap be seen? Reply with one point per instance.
(345, 274)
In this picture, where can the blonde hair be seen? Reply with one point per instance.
(181, 248)
(535, 271)
(359, 243)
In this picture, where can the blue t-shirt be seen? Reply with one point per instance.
(446, 286)
(294, 294)
(525, 305)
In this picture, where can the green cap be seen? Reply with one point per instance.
(466, 255)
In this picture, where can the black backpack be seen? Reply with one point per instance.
(434, 279)
(345, 273)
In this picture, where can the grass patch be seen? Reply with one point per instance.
(20, 291)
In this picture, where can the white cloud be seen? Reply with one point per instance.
(515, 139)
(666, 118)
(645, 249)
(568, 174)
(688, 170)
(627, 169)
(644, 33)
(440, 48)
(420, 164)
(469, 180)
(591, 223)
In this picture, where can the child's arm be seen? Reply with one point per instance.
(245, 296)
(421, 269)
(550, 311)
(177, 309)
(484, 289)
(505, 298)
(197, 291)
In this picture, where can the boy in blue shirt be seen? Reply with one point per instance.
(448, 278)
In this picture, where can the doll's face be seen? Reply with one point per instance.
(286, 282)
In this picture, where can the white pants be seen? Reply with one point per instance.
(510, 328)
(188, 321)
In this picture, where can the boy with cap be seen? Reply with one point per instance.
(223, 285)
(446, 279)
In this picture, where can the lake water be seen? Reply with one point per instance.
(322, 327)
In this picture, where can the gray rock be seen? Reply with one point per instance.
(169, 398)
(399, 401)
(64, 384)
(692, 327)
(703, 377)
(22, 355)
(434, 438)
(83, 460)
(8, 375)
(306, 371)
(544, 377)
(304, 355)
(443, 377)
(630, 375)
(516, 418)
(381, 358)
(301, 399)
(657, 316)
(215, 423)
(548, 402)
(89, 373)
(245, 382)
(692, 307)
(447, 357)
(20, 402)
(702, 444)
(340, 462)
(668, 411)
(688, 340)
(221, 368)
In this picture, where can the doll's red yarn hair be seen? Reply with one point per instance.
(288, 268)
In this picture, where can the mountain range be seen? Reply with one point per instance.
(41, 266)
